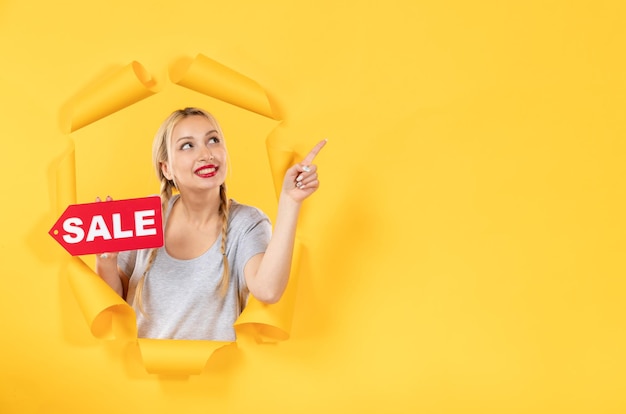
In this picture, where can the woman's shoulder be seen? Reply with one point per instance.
(245, 212)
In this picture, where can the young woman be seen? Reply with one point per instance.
(216, 250)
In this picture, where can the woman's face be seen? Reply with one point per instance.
(197, 155)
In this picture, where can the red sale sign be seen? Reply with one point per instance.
(110, 226)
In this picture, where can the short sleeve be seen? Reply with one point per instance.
(126, 261)
(251, 230)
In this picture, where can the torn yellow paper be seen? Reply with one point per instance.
(272, 323)
(108, 315)
(121, 89)
(66, 180)
(176, 357)
(280, 159)
(211, 78)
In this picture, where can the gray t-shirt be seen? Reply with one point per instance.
(181, 298)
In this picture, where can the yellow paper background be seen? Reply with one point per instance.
(464, 252)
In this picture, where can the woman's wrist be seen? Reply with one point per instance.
(286, 201)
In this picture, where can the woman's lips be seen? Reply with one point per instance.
(206, 171)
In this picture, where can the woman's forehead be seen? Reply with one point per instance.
(195, 126)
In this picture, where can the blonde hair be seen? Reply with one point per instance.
(160, 154)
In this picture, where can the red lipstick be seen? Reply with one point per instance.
(206, 171)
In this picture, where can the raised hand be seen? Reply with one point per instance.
(301, 180)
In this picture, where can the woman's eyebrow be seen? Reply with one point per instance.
(191, 137)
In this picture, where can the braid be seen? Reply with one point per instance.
(166, 195)
(224, 212)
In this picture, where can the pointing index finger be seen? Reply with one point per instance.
(316, 149)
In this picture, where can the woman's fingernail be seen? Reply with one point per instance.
(306, 168)
(299, 178)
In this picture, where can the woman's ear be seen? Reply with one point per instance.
(165, 169)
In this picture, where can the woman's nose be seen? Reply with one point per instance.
(206, 154)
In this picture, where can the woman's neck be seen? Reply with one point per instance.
(200, 209)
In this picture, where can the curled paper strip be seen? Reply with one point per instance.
(66, 180)
(176, 357)
(108, 315)
(121, 89)
(281, 157)
(272, 323)
(211, 78)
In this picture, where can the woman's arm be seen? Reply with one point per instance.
(267, 274)
(106, 268)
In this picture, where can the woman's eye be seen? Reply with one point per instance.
(185, 146)
(214, 140)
